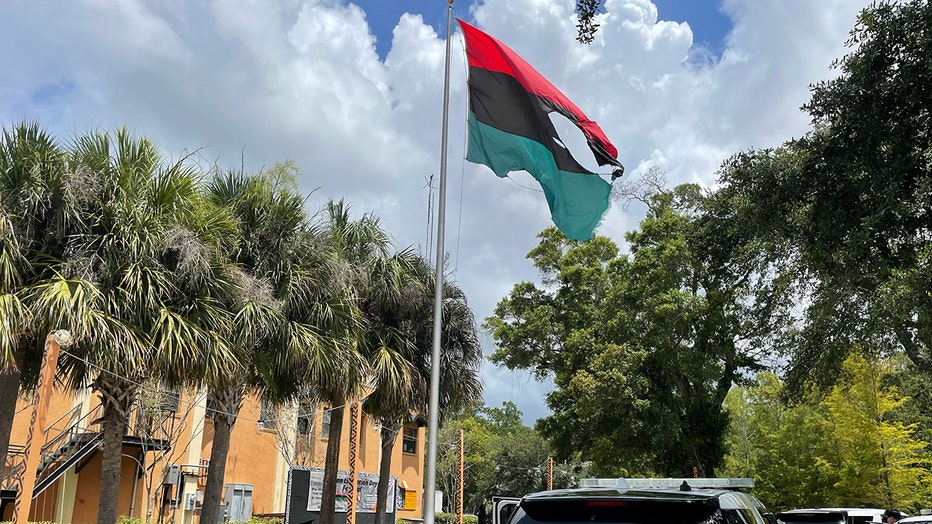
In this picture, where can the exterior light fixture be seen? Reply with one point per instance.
(63, 338)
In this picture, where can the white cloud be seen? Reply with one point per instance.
(302, 80)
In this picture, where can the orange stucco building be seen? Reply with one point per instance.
(166, 455)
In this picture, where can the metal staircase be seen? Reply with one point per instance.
(10, 472)
(73, 439)
(63, 450)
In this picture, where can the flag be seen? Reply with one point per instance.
(510, 130)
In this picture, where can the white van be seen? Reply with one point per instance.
(852, 515)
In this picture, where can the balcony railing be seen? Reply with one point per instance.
(13, 467)
(74, 437)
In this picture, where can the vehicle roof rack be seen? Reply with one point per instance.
(671, 483)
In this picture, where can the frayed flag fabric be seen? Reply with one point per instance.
(510, 130)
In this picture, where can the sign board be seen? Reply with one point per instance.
(410, 499)
(305, 487)
(367, 485)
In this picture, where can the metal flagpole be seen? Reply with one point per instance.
(430, 478)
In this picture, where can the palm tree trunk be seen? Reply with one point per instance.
(9, 392)
(328, 499)
(228, 405)
(116, 395)
(387, 435)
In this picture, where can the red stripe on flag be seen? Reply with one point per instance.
(484, 51)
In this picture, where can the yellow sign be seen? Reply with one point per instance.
(410, 499)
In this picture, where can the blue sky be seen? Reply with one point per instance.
(676, 84)
(709, 24)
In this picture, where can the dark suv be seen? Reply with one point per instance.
(641, 505)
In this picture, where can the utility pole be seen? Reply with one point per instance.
(353, 452)
(549, 473)
(459, 482)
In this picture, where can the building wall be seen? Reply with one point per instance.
(60, 404)
(87, 495)
(410, 468)
(254, 458)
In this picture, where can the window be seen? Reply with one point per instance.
(647, 510)
(268, 415)
(325, 424)
(409, 440)
(305, 414)
(202, 471)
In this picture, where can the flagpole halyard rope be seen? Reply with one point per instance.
(459, 220)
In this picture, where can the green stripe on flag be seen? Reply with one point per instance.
(577, 201)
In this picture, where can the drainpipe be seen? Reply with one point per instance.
(132, 501)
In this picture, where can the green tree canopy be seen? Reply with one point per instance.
(844, 448)
(503, 457)
(642, 347)
(851, 200)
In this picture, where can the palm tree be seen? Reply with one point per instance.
(362, 251)
(391, 400)
(128, 249)
(290, 314)
(394, 381)
(210, 311)
(395, 402)
(40, 202)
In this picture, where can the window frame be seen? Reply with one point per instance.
(409, 440)
(325, 424)
(304, 425)
(268, 415)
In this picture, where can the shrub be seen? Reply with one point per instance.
(266, 520)
(450, 518)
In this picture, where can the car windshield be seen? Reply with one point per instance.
(618, 511)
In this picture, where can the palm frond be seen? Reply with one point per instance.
(117, 347)
(135, 160)
(225, 188)
(393, 376)
(220, 363)
(141, 290)
(256, 322)
(15, 323)
(12, 258)
(91, 150)
(177, 342)
(75, 305)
